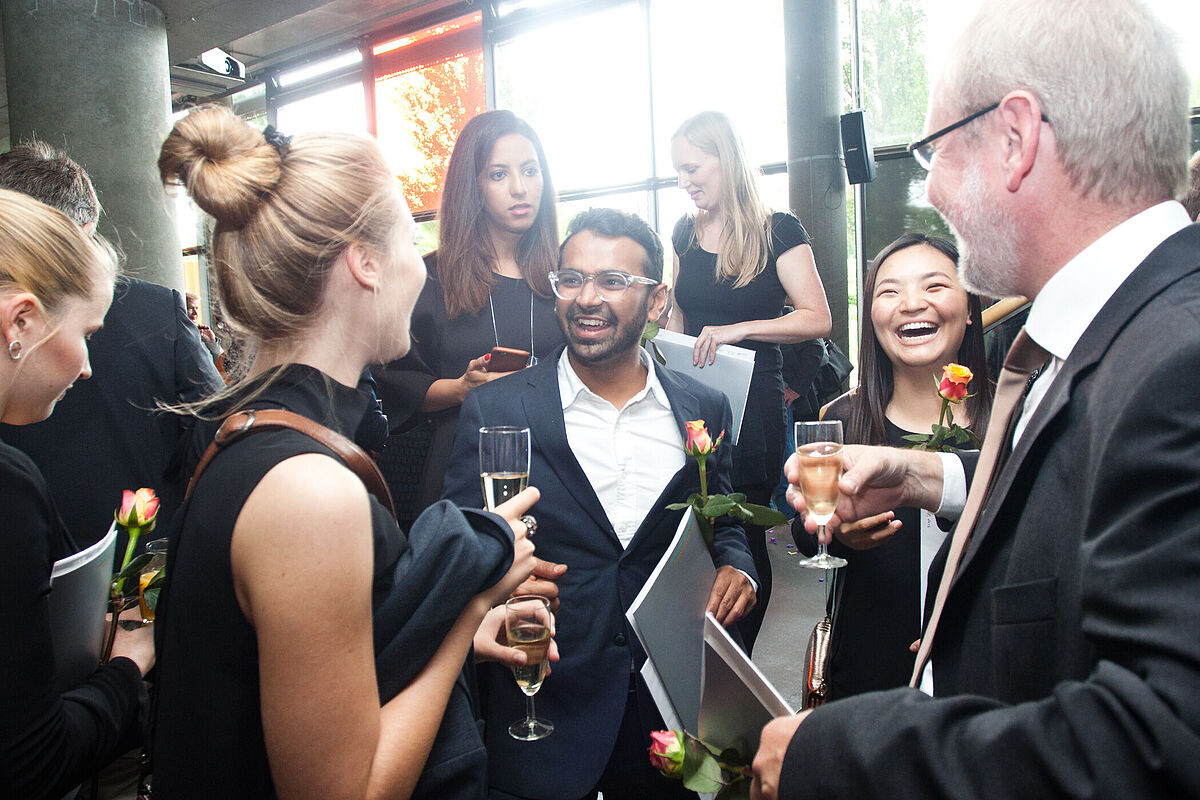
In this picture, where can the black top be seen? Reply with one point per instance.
(442, 347)
(208, 739)
(106, 434)
(48, 742)
(705, 300)
(879, 607)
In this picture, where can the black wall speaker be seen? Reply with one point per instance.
(856, 149)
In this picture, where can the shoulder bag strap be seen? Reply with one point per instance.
(272, 419)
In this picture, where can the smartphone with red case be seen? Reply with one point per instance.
(507, 359)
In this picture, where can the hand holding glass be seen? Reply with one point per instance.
(503, 462)
(527, 625)
(819, 447)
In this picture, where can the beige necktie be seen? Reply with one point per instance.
(1024, 357)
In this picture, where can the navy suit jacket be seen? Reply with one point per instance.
(1067, 661)
(106, 434)
(585, 696)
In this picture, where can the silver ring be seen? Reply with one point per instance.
(530, 523)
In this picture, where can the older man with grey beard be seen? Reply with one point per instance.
(1062, 648)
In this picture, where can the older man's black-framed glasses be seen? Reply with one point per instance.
(923, 151)
(610, 284)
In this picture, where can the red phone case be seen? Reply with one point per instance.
(507, 359)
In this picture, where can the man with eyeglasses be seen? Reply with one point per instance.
(607, 430)
(1062, 647)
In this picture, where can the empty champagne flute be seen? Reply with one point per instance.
(503, 462)
(819, 446)
(527, 624)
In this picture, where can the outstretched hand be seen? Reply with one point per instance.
(875, 480)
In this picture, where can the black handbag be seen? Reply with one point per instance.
(816, 370)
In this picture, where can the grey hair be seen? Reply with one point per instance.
(1107, 73)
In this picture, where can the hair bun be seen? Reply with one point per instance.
(226, 165)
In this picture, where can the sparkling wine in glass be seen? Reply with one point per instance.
(503, 462)
(527, 624)
(819, 446)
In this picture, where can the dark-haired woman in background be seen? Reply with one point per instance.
(916, 318)
(487, 284)
(736, 265)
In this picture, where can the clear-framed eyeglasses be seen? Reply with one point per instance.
(610, 284)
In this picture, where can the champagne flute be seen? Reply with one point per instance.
(158, 561)
(527, 624)
(503, 462)
(819, 446)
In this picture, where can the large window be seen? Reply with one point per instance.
(606, 84)
(582, 84)
(427, 85)
(323, 96)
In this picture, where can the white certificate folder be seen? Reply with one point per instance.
(730, 373)
(736, 700)
(668, 618)
(79, 587)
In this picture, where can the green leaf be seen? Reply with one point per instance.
(151, 596)
(157, 581)
(915, 437)
(764, 516)
(134, 568)
(737, 497)
(701, 772)
(677, 506)
(706, 529)
(717, 506)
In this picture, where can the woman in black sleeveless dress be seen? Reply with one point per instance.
(736, 266)
(298, 662)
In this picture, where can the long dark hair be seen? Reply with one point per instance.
(875, 380)
(465, 253)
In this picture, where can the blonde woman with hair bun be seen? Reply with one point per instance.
(310, 648)
(56, 284)
(736, 265)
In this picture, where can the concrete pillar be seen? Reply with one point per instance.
(816, 177)
(92, 77)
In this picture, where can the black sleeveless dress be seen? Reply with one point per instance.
(208, 733)
(707, 300)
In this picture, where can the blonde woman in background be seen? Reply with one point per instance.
(55, 287)
(737, 264)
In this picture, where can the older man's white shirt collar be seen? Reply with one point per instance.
(1073, 297)
(570, 385)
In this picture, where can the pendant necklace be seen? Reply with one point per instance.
(496, 335)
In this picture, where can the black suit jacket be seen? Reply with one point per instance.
(106, 435)
(585, 696)
(1067, 662)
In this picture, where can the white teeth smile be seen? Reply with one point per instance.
(591, 323)
(916, 330)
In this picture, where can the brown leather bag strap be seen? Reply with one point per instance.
(243, 423)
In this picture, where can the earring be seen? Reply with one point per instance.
(14, 349)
